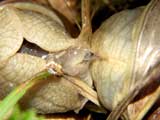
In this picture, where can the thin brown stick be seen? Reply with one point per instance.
(86, 24)
(73, 16)
(86, 32)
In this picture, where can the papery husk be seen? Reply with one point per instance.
(18, 69)
(113, 71)
(137, 56)
(17, 19)
(146, 35)
(35, 8)
(44, 31)
(42, 27)
(53, 95)
(49, 27)
(66, 8)
(146, 32)
(10, 33)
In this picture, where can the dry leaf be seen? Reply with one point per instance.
(53, 95)
(36, 8)
(155, 115)
(10, 33)
(112, 42)
(18, 68)
(44, 31)
(66, 7)
(146, 47)
(138, 109)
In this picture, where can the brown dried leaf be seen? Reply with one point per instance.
(138, 109)
(66, 7)
(155, 115)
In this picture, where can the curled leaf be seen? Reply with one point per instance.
(36, 8)
(44, 31)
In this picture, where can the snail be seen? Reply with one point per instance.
(128, 44)
(41, 27)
